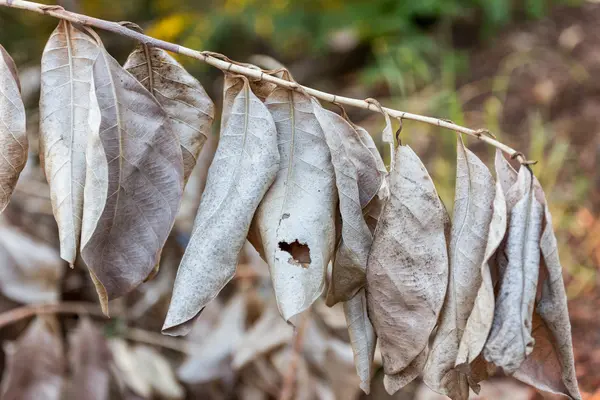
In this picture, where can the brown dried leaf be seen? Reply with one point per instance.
(13, 135)
(243, 169)
(181, 95)
(65, 125)
(31, 270)
(473, 210)
(294, 226)
(510, 341)
(407, 271)
(35, 364)
(133, 185)
(351, 161)
(393, 383)
(362, 337)
(550, 367)
(480, 321)
(90, 359)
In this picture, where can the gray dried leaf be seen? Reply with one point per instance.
(473, 210)
(181, 95)
(350, 159)
(294, 226)
(31, 270)
(212, 360)
(362, 337)
(505, 173)
(407, 271)
(134, 182)
(90, 359)
(35, 364)
(510, 340)
(268, 333)
(13, 135)
(393, 383)
(65, 104)
(480, 321)
(244, 167)
(550, 367)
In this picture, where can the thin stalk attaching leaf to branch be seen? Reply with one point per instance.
(234, 67)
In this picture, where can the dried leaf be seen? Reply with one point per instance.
(90, 362)
(127, 366)
(393, 383)
(157, 371)
(244, 167)
(473, 210)
(13, 135)
(268, 333)
(31, 271)
(340, 371)
(65, 126)
(213, 358)
(35, 365)
(294, 226)
(505, 173)
(362, 337)
(510, 341)
(134, 183)
(550, 367)
(480, 321)
(351, 159)
(407, 272)
(181, 95)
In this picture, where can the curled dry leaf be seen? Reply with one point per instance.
(181, 95)
(362, 337)
(510, 340)
(31, 271)
(294, 226)
(550, 367)
(473, 211)
(393, 383)
(65, 103)
(35, 364)
(133, 185)
(407, 272)
(90, 359)
(13, 135)
(212, 360)
(480, 321)
(244, 167)
(358, 181)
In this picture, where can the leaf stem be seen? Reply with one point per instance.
(225, 64)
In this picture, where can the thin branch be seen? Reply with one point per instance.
(289, 380)
(17, 314)
(224, 64)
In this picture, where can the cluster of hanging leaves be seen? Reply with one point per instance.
(449, 300)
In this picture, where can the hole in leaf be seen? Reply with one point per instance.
(300, 253)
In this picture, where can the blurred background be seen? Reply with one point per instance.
(526, 70)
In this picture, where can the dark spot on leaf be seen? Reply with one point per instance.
(300, 253)
(285, 216)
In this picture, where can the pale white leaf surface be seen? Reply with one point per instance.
(35, 364)
(134, 182)
(350, 158)
(510, 340)
(480, 321)
(90, 360)
(31, 270)
(362, 337)
(550, 367)
(473, 210)
(294, 227)
(181, 95)
(13, 135)
(407, 271)
(65, 103)
(244, 167)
